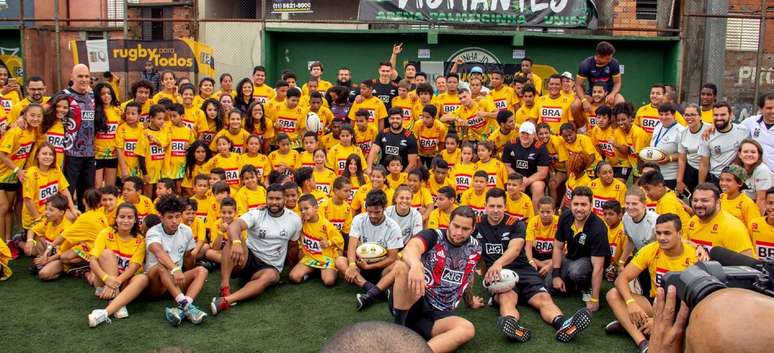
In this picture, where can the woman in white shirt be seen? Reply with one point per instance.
(688, 150)
(760, 178)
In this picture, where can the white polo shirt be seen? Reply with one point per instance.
(758, 131)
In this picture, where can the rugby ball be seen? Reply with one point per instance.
(371, 252)
(651, 154)
(507, 281)
(313, 122)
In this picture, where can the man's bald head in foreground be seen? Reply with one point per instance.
(376, 337)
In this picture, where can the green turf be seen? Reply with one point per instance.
(51, 317)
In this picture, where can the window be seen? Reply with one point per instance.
(115, 11)
(157, 30)
(742, 34)
(646, 9)
(95, 35)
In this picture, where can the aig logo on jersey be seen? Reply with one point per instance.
(393, 150)
(522, 164)
(494, 248)
(452, 276)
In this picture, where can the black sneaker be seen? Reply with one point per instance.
(511, 328)
(78, 272)
(574, 325)
(34, 269)
(209, 265)
(363, 301)
(614, 327)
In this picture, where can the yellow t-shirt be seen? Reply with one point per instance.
(180, 138)
(554, 111)
(17, 145)
(289, 121)
(742, 207)
(144, 110)
(573, 182)
(329, 141)
(430, 139)
(722, 230)
(49, 230)
(364, 139)
(475, 200)
(238, 140)
(433, 185)
(230, 164)
(105, 141)
(525, 113)
(312, 235)
(355, 181)
(762, 235)
(248, 200)
(17, 108)
(127, 140)
(603, 139)
(39, 186)
(375, 108)
(199, 230)
(195, 120)
(497, 171)
(446, 103)
(263, 93)
(617, 240)
(394, 182)
(305, 159)
(653, 259)
(323, 180)
(501, 139)
(54, 136)
(462, 176)
(452, 158)
(322, 87)
(203, 207)
(479, 128)
(669, 203)
(423, 198)
(154, 153)
(189, 180)
(647, 117)
(707, 116)
(521, 208)
(502, 97)
(358, 201)
(582, 144)
(8, 100)
(289, 159)
(259, 161)
(339, 215)
(144, 207)
(616, 191)
(175, 98)
(408, 108)
(542, 236)
(439, 219)
(83, 231)
(127, 251)
(636, 139)
(338, 154)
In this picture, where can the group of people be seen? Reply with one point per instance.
(541, 176)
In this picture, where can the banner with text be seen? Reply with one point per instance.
(539, 13)
(131, 55)
(291, 6)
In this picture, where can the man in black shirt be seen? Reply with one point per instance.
(384, 88)
(398, 141)
(502, 240)
(526, 159)
(588, 250)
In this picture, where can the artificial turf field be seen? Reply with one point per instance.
(51, 317)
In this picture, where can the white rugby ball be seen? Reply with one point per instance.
(371, 252)
(313, 122)
(651, 154)
(507, 281)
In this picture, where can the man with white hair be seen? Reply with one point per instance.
(79, 164)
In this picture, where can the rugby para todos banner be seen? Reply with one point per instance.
(131, 55)
(541, 13)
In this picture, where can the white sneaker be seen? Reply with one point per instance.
(586, 296)
(97, 317)
(121, 313)
(98, 291)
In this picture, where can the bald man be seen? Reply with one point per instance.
(79, 164)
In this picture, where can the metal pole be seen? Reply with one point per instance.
(126, 17)
(21, 41)
(761, 43)
(58, 49)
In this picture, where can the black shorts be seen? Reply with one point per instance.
(422, 316)
(106, 163)
(541, 256)
(372, 276)
(252, 266)
(622, 172)
(530, 283)
(12, 187)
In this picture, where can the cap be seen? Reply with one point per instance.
(737, 171)
(476, 70)
(527, 127)
(567, 74)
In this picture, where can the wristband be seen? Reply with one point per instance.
(630, 301)
(621, 262)
(557, 272)
(15, 170)
(236, 241)
(594, 300)
(352, 264)
(175, 270)
(104, 277)
(531, 261)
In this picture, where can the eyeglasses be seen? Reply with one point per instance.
(691, 114)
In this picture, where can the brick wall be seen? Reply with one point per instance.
(625, 15)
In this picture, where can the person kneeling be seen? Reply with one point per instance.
(169, 246)
(437, 269)
(272, 233)
(634, 312)
(321, 244)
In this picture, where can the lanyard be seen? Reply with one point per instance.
(660, 135)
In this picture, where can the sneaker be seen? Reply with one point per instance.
(209, 265)
(574, 325)
(193, 314)
(122, 313)
(614, 327)
(218, 305)
(511, 328)
(14, 250)
(225, 292)
(34, 269)
(174, 316)
(78, 272)
(363, 301)
(586, 296)
(97, 317)
(98, 291)
(643, 346)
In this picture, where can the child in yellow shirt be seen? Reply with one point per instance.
(196, 158)
(451, 154)
(131, 194)
(43, 180)
(475, 197)
(284, 158)
(198, 228)
(462, 172)
(252, 195)
(306, 158)
(255, 158)
(235, 133)
(733, 200)
(421, 199)
(129, 136)
(445, 202)
(108, 202)
(219, 230)
(321, 244)
(151, 155)
(395, 167)
(181, 137)
(541, 230)
(45, 232)
(227, 160)
(613, 214)
(337, 210)
(518, 204)
(323, 177)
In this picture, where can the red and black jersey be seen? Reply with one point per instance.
(448, 268)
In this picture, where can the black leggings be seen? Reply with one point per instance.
(79, 172)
